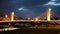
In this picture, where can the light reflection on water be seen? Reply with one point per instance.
(7, 29)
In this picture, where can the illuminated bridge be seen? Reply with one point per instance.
(45, 17)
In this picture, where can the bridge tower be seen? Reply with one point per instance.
(12, 16)
(48, 14)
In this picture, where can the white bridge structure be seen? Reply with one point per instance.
(32, 21)
(47, 15)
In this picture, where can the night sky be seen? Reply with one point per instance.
(29, 8)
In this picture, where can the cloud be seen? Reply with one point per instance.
(53, 0)
(21, 9)
(53, 3)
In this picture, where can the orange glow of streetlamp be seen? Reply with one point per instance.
(6, 16)
(28, 18)
(36, 19)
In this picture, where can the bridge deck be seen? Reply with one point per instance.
(32, 21)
